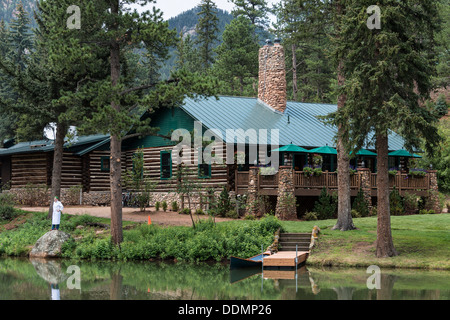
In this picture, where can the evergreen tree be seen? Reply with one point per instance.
(207, 29)
(15, 46)
(255, 10)
(187, 55)
(305, 26)
(236, 65)
(387, 77)
(119, 103)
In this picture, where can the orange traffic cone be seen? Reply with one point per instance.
(149, 220)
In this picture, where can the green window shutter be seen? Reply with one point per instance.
(166, 165)
(105, 164)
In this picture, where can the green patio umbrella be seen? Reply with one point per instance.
(403, 153)
(291, 148)
(323, 150)
(365, 152)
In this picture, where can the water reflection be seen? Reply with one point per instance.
(104, 280)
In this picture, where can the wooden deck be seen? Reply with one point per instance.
(312, 186)
(286, 259)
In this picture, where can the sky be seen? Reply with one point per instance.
(172, 8)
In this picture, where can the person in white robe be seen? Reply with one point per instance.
(57, 209)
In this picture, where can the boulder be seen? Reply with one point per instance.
(49, 245)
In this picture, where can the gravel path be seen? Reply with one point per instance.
(168, 218)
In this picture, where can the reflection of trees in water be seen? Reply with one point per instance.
(103, 280)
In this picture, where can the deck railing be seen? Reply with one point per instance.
(329, 180)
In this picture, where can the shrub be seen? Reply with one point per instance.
(310, 216)
(355, 214)
(199, 212)
(396, 203)
(360, 204)
(224, 203)
(7, 212)
(232, 214)
(157, 205)
(326, 206)
(174, 206)
(164, 206)
(185, 211)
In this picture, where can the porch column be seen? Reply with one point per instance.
(252, 196)
(433, 192)
(364, 178)
(286, 202)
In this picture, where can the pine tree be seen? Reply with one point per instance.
(236, 65)
(255, 10)
(207, 29)
(305, 27)
(119, 103)
(15, 46)
(387, 77)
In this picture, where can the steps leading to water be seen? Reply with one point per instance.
(293, 241)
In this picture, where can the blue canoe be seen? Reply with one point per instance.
(236, 263)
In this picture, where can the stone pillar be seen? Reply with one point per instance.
(364, 178)
(286, 202)
(433, 192)
(252, 196)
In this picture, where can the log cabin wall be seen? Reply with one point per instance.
(71, 174)
(99, 174)
(152, 168)
(29, 168)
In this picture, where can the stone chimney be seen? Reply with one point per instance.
(272, 76)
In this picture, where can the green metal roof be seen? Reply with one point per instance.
(48, 145)
(298, 125)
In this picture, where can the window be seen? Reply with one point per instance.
(204, 171)
(166, 165)
(105, 164)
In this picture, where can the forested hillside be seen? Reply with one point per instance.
(8, 9)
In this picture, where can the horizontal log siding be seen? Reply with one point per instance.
(29, 168)
(153, 170)
(71, 174)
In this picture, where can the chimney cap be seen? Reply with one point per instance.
(268, 42)
(277, 40)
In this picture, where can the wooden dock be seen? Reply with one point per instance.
(286, 259)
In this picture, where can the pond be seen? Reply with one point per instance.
(24, 279)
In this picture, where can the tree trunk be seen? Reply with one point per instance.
(57, 165)
(116, 146)
(385, 245)
(345, 221)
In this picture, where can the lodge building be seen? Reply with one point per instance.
(301, 136)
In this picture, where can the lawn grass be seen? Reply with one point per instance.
(422, 241)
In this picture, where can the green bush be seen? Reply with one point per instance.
(157, 205)
(175, 206)
(7, 212)
(326, 206)
(396, 203)
(360, 204)
(164, 206)
(310, 216)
